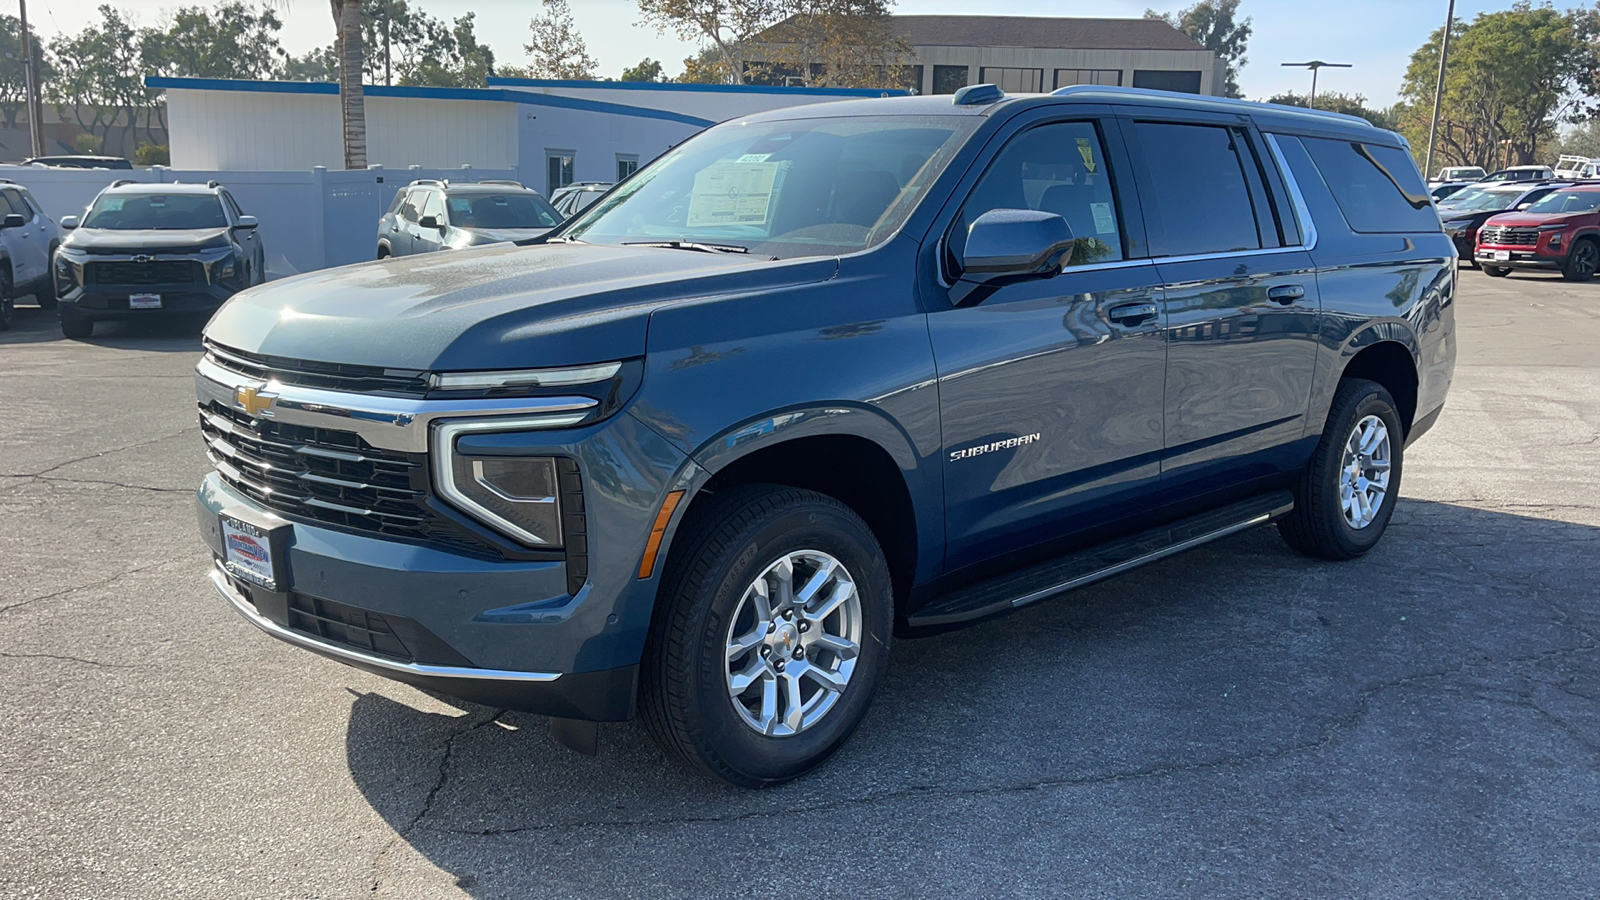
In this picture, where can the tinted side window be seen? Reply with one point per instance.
(411, 209)
(1199, 188)
(1377, 188)
(1059, 168)
(13, 204)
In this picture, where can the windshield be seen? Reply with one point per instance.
(508, 210)
(139, 212)
(803, 187)
(1562, 202)
(1481, 199)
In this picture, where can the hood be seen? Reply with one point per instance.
(503, 307)
(1534, 220)
(1458, 218)
(109, 240)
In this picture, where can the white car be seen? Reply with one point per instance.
(1572, 167)
(28, 239)
(1457, 173)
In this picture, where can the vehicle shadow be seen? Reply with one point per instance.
(176, 334)
(1237, 651)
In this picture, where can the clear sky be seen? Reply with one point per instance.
(1377, 36)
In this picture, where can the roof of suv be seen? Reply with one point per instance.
(943, 104)
(156, 187)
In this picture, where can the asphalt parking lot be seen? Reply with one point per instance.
(1236, 721)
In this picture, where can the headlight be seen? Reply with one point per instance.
(223, 267)
(69, 270)
(518, 496)
(1555, 240)
(522, 378)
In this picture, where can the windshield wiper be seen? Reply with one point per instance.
(689, 245)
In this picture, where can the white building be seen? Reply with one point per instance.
(550, 132)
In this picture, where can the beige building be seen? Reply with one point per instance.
(1029, 55)
(1038, 55)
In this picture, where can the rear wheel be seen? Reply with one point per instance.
(1496, 271)
(773, 635)
(75, 325)
(1582, 261)
(1347, 494)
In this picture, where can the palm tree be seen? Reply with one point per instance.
(352, 107)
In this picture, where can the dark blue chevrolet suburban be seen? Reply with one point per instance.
(819, 377)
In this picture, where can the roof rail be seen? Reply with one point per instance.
(213, 183)
(1204, 98)
(442, 182)
(122, 181)
(505, 181)
(978, 95)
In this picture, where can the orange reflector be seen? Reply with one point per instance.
(647, 565)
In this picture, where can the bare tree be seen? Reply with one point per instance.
(557, 48)
(728, 24)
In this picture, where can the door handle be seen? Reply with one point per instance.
(1286, 293)
(1132, 313)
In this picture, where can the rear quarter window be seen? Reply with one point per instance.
(1377, 188)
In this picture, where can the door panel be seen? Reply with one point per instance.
(1049, 407)
(1241, 349)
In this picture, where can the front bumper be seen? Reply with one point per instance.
(110, 301)
(1518, 256)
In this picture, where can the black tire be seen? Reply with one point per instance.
(1318, 526)
(45, 296)
(1582, 261)
(1496, 271)
(383, 252)
(724, 545)
(75, 325)
(8, 309)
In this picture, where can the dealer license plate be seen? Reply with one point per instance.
(247, 552)
(144, 301)
(1502, 255)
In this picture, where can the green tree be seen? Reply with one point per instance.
(229, 40)
(99, 81)
(453, 58)
(13, 77)
(729, 25)
(647, 70)
(1214, 25)
(706, 67)
(1513, 77)
(320, 64)
(557, 48)
(1581, 141)
(1349, 104)
(832, 43)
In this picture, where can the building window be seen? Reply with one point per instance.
(558, 169)
(1184, 82)
(1066, 77)
(911, 78)
(949, 79)
(1013, 81)
(626, 165)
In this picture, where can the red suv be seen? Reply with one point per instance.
(1561, 232)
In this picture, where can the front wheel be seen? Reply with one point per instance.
(1582, 261)
(8, 311)
(773, 634)
(75, 326)
(1496, 271)
(1347, 494)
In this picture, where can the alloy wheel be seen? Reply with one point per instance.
(1364, 472)
(792, 643)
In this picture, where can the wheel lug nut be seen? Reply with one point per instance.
(771, 627)
(766, 651)
(799, 653)
(778, 665)
(805, 626)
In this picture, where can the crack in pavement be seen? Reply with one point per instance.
(433, 793)
(54, 479)
(1329, 734)
(91, 585)
(77, 659)
(96, 455)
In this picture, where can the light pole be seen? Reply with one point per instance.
(31, 84)
(1438, 87)
(1314, 65)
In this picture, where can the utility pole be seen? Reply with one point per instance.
(1314, 65)
(31, 84)
(1438, 88)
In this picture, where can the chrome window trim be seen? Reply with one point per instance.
(444, 481)
(1302, 212)
(355, 657)
(391, 423)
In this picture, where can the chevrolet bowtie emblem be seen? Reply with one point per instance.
(143, 257)
(253, 401)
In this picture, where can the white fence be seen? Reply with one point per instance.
(309, 220)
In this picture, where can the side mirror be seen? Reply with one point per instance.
(1005, 245)
(429, 222)
(247, 222)
(68, 222)
(13, 220)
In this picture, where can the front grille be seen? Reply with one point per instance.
(327, 376)
(395, 637)
(160, 271)
(1507, 236)
(329, 477)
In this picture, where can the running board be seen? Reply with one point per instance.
(1057, 576)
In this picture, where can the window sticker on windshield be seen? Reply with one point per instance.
(1104, 221)
(753, 158)
(113, 204)
(460, 204)
(732, 193)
